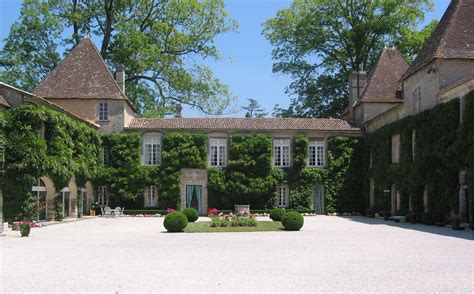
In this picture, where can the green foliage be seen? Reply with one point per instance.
(410, 40)
(68, 148)
(156, 41)
(277, 213)
(240, 221)
(29, 209)
(80, 203)
(58, 208)
(292, 221)
(175, 222)
(219, 222)
(442, 150)
(191, 213)
(319, 42)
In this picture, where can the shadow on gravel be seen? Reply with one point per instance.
(443, 231)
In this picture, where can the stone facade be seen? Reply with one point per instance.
(194, 177)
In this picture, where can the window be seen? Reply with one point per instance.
(152, 149)
(316, 154)
(151, 196)
(103, 111)
(396, 149)
(218, 152)
(416, 99)
(281, 152)
(105, 156)
(413, 144)
(282, 192)
(66, 195)
(102, 196)
(372, 192)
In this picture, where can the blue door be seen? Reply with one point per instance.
(194, 197)
(318, 199)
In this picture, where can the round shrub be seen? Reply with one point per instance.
(277, 213)
(175, 222)
(292, 221)
(191, 213)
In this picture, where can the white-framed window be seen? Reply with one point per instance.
(218, 152)
(103, 195)
(281, 152)
(103, 111)
(396, 149)
(152, 149)
(317, 154)
(151, 196)
(282, 193)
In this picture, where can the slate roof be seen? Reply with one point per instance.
(452, 38)
(82, 74)
(243, 124)
(382, 82)
(4, 102)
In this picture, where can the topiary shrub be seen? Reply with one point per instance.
(277, 213)
(175, 222)
(191, 213)
(292, 221)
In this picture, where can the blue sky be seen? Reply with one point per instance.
(246, 64)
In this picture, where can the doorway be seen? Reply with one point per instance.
(318, 199)
(39, 190)
(194, 197)
(66, 195)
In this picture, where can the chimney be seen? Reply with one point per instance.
(120, 77)
(179, 108)
(357, 81)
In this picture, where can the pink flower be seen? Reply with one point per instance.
(170, 210)
(212, 210)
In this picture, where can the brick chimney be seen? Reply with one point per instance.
(357, 81)
(120, 77)
(179, 108)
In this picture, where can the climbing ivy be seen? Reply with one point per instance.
(68, 149)
(443, 148)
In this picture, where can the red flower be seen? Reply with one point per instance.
(212, 210)
(170, 210)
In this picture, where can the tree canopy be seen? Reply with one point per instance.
(160, 43)
(319, 42)
(254, 109)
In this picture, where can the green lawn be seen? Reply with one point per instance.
(204, 227)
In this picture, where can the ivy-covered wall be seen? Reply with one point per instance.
(249, 176)
(443, 148)
(68, 148)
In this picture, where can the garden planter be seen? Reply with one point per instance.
(92, 212)
(25, 230)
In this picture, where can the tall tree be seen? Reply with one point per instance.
(319, 42)
(158, 42)
(254, 109)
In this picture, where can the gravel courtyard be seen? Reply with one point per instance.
(330, 254)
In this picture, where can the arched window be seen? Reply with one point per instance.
(151, 149)
(39, 190)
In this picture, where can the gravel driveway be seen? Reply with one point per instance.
(331, 254)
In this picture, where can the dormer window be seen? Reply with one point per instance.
(152, 149)
(103, 111)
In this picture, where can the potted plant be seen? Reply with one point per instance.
(94, 208)
(411, 216)
(25, 228)
(369, 212)
(386, 214)
(456, 223)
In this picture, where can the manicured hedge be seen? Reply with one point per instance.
(175, 222)
(292, 221)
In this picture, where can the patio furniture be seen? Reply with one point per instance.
(107, 211)
(117, 211)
